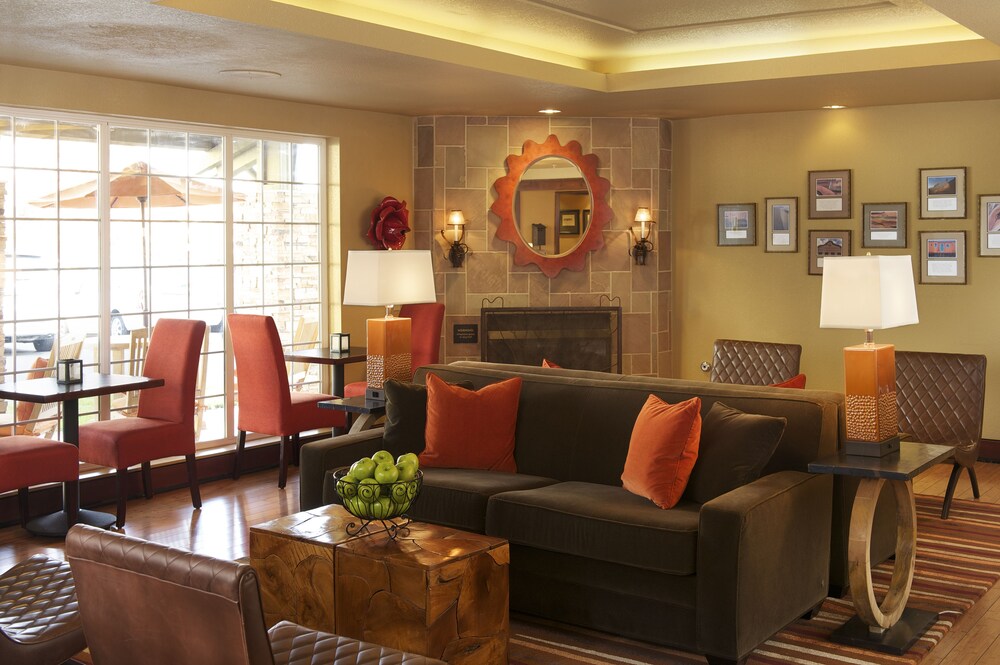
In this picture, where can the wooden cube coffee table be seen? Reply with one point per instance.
(434, 591)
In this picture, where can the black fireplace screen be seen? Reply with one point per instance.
(571, 337)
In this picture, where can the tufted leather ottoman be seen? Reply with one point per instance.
(294, 645)
(39, 622)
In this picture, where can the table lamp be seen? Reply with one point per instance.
(869, 293)
(387, 278)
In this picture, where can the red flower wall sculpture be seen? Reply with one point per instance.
(390, 224)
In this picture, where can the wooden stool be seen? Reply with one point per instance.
(31, 460)
(39, 622)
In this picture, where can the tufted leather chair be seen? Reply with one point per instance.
(39, 621)
(142, 602)
(940, 399)
(754, 363)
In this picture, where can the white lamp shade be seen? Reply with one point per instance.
(867, 293)
(387, 277)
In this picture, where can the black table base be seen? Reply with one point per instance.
(55, 526)
(896, 640)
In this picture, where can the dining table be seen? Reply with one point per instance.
(48, 390)
(335, 359)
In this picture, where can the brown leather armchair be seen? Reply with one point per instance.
(142, 602)
(940, 399)
(754, 363)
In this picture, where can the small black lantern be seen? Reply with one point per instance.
(340, 342)
(69, 371)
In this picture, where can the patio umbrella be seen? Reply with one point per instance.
(135, 188)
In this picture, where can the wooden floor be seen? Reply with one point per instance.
(221, 527)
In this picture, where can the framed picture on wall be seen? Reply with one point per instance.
(942, 193)
(782, 224)
(942, 257)
(830, 194)
(883, 225)
(824, 244)
(569, 222)
(737, 224)
(989, 225)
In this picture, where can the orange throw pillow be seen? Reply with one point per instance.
(797, 381)
(548, 363)
(663, 450)
(471, 429)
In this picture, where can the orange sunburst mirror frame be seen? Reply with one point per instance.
(600, 211)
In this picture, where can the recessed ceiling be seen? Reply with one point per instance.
(675, 59)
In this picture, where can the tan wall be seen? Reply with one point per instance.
(744, 293)
(374, 148)
(458, 159)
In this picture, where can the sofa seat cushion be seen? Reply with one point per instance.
(457, 497)
(600, 522)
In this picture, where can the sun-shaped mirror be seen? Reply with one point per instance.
(552, 205)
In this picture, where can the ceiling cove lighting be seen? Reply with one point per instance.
(834, 107)
(549, 111)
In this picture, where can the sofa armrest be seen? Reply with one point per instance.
(763, 559)
(316, 457)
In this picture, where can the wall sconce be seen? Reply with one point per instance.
(69, 371)
(340, 342)
(455, 235)
(640, 236)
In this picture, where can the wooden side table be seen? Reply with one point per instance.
(890, 627)
(435, 591)
(294, 560)
(362, 413)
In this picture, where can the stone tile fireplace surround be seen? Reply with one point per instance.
(457, 160)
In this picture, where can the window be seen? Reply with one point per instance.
(196, 222)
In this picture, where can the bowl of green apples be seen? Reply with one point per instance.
(379, 487)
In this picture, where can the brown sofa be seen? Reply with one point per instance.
(717, 578)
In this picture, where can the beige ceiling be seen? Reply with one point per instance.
(663, 58)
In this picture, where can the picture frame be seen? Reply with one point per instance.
(989, 225)
(883, 225)
(830, 194)
(737, 224)
(586, 219)
(824, 244)
(569, 222)
(782, 220)
(942, 193)
(942, 257)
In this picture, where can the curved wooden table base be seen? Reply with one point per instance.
(881, 617)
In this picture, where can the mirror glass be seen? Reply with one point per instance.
(552, 206)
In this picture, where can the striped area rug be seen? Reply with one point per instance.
(958, 560)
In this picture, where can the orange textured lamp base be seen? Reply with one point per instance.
(870, 387)
(388, 354)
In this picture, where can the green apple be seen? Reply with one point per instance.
(369, 489)
(397, 492)
(406, 470)
(363, 468)
(382, 457)
(347, 486)
(411, 458)
(382, 508)
(386, 472)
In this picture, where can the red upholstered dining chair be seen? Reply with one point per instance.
(164, 425)
(32, 460)
(266, 404)
(425, 339)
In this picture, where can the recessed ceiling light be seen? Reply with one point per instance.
(550, 111)
(251, 73)
(835, 106)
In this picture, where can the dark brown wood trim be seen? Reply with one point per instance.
(989, 450)
(100, 491)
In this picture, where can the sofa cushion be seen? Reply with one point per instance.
(600, 522)
(797, 381)
(406, 416)
(663, 450)
(457, 497)
(469, 429)
(734, 448)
